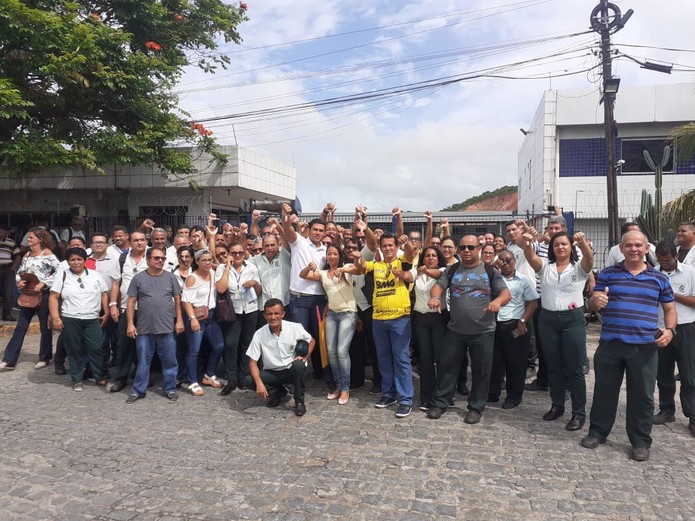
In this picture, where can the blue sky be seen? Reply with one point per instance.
(420, 149)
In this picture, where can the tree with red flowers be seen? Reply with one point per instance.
(90, 83)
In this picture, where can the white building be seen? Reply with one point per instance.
(127, 192)
(562, 159)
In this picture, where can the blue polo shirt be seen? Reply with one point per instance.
(632, 313)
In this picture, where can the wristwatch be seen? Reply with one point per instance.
(522, 320)
(672, 330)
(191, 317)
(112, 304)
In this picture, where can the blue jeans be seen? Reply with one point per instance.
(14, 346)
(211, 330)
(392, 339)
(340, 327)
(303, 311)
(164, 345)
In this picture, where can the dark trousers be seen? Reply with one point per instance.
(82, 340)
(366, 317)
(273, 380)
(125, 350)
(639, 363)
(453, 351)
(429, 329)
(509, 357)
(564, 344)
(542, 374)
(358, 357)
(237, 338)
(7, 282)
(680, 351)
(14, 346)
(303, 311)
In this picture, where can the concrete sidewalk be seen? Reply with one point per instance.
(88, 455)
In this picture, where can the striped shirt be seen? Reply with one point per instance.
(632, 313)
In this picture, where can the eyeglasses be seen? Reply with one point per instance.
(507, 261)
(469, 247)
(414, 239)
(79, 279)
(236, 252)
(158, 258)
(488, 253)
(447, 247)
(98, 242)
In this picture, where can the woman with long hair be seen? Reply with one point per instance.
(341, 316)
(38, 263)
(561, 323)
(429, 326)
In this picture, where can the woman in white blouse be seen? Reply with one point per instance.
(429, 326)
(242, 282)
(561, 323)
(341, 317)
(41, 262)
(200, 291)
(79, 305)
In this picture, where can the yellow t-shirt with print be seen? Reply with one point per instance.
(391, 296)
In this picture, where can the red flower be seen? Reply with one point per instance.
(153, 46)
(178, 17)
(243, 6)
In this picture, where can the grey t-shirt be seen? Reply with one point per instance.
(156, 314)
(469, 292)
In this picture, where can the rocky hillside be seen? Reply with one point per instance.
(502, 199)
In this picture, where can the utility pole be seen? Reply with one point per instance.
(607, 19)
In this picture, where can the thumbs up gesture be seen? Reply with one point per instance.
(599, 299)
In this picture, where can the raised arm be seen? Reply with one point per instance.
(400, 230)
(530, 252)
(287, 228)
(587, 254)
(428, 228)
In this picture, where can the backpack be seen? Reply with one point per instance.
(488, 269)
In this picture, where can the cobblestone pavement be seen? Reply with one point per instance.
(72, 456)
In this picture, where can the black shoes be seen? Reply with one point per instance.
(425, 406)
(536, 386)
(640, 453)
(554, 413)
(171, 395)
(472, 417)
(462, 389)
(299, 409)
(510, 404)
(376, 389)
(435, 413)
(589, 442)
(663, 417)
(60, 369)
(493, 399)
(134, 398)
(384, 402)
(691, 426)
(275, 400)
(117, 387)
(228, 389)
(576, 423)
(9, 318)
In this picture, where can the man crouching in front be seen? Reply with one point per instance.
(283, 347)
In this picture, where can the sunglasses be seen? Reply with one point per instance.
(507, 261)
(469, 247)
(79, 279)
(157, 258)
(236, 252)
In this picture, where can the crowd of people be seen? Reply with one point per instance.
(280, 298)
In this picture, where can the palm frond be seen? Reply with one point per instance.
(684, 136)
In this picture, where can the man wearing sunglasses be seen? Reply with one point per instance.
(476, 294)
(158, 295)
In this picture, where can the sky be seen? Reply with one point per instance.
(416, 105)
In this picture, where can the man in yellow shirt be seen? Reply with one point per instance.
(391, 323)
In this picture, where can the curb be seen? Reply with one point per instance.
(8, 329)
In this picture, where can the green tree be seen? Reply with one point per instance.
(89, 83)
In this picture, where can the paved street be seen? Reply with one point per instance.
(73, 456)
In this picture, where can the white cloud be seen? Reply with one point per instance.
(429, 149)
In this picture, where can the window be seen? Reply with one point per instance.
(633, 155)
